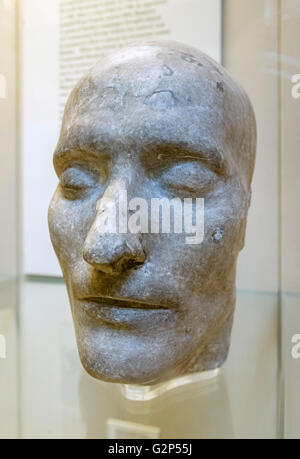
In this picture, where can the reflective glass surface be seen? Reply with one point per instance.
(46, 393)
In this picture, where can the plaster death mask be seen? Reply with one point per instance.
(155, 160)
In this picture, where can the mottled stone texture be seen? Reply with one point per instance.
(164, 120)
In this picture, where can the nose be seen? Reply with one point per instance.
(113, 253)
(109, 251)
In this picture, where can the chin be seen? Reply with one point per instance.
(122, 357)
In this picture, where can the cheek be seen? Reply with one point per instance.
(224, 231)
(211, 264)
(225, 214)
(69, 223)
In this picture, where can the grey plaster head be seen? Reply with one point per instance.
(165, 121)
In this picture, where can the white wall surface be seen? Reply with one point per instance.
(40, 129)
(290, 146)
(250, 54)
(8, 120)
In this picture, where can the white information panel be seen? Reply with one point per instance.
(60, 40)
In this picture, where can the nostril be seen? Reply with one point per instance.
(133, 264)
(127, 262)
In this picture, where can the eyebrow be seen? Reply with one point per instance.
(204, 153)
(68, 153)
(209, 154)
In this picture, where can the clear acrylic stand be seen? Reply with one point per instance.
(144, 393)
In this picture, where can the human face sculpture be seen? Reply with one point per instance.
(161, 120)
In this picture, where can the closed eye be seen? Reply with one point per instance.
(190, 177)
(76, 180)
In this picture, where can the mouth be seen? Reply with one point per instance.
(121, 312)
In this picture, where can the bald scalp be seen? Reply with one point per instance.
(169, 76)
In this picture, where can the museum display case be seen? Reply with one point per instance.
(44, 390)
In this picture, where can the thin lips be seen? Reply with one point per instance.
(121, 303)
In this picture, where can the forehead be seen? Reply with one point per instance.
(147, 95)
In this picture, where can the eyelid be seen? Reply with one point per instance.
(191, 161)
(204, 162)
(78, 176)
(198, 165)
(193, 177)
